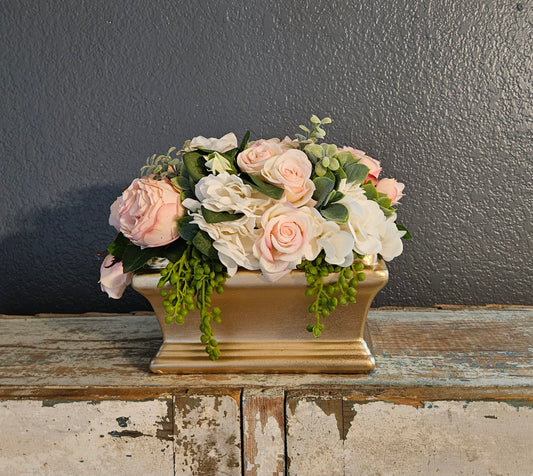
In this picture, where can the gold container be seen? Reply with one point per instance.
(263, 328)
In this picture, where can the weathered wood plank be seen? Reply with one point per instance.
(314, 429)
(263, 432)
(448, 437)
(328, 434)
(208, 435)
(86, 438)
(414, 348)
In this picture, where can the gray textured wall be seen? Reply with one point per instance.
(439, 91)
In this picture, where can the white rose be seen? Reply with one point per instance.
(225, 143)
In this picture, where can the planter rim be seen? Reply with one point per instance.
(245, 278)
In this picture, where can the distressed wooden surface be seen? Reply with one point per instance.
(263, 432)
(335, 436)
(208, 435)
(452, 394)
(108, 356)
(86, 438)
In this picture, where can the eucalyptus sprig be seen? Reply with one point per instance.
(327, 296)
(315, 133)
(165, 165)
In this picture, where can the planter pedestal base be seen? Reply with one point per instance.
(321, 356)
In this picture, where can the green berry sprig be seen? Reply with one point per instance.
(328, 296)
(188, 285)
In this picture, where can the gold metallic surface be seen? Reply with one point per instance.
(263, 328)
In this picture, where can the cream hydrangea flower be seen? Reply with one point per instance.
(352, 190)
(391, 242)
(227, 193)
(373, 233)
(336, 243)
(225, 143)
(233, 240)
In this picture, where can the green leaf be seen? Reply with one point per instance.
(217, 217)
(320, 170)
(407, 235)
(204, 244)
(118, 246)
(314, 151)
(345, 157)
(174, 251)
(329, 197)
(331, 150)
(183, 182)
(334, 164)
(134, 257)
(230, 155)
(186, 229)
(387, 211)
(194, 162)
(384, 201)
(370, 191)
(339, 174)
(356, 172)
(336, 196)
(331, 175)
(323, 186)
(315, 119)
(336, 212)
(265, 188)
(244, 142)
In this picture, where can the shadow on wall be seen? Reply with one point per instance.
(49, 258)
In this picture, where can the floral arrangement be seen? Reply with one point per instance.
(271, 205)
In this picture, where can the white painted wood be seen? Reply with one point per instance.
(440, 438)
(381, 438)
(208, 435)
(314, 445)
(85, 438)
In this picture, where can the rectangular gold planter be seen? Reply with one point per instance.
(263, 328)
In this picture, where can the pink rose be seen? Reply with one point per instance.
(288, 143)
(113, 281)
(147, 212)
(372, 164)
(252, 159)
(286, 239)
(291, 171)
(392, 188)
